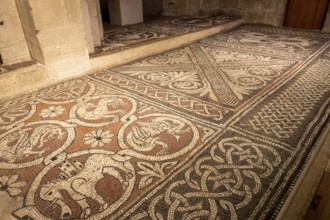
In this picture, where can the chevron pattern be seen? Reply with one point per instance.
(284, 115)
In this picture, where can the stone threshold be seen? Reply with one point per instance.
(153, 48)
(36, 76)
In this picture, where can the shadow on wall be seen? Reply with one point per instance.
(152, 7)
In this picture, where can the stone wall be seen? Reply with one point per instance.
(13, 46)
(152, 7)
(55, 32)
(254, 11)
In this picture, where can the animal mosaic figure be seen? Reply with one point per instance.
(101, 110)
(279, 42)
(20, 144)
(80, 180)
(9, 117)
(145, 136)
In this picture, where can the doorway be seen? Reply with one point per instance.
(305, 13)
(105, 11)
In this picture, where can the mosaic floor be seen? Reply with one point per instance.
(219, 129)
(158, 28)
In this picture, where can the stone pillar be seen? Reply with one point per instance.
(13, 47)
(125, 12)
(55, 33)
(94, 8)
(87, 25)
(209, 7)
(99, 15)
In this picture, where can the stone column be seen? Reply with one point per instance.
(93, 23)
(94, 9)
(87, 25)
(99, 15)
(55, 33)
(13, 46)
(182, 7)
(125, 12)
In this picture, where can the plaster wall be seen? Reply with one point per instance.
(13, 46)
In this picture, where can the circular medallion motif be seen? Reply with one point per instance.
(130, 36)
(28, 144)
(102, 110)
(157, 137)
(198, 22)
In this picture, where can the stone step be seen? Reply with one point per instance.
(156, 47)
(35, 76)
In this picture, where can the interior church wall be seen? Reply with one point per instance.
(254, 11)
(13, 46)
(152, 7)
(87, 26)
(209, 7)
(181, 7)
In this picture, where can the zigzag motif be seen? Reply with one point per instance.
(171, 98)
(283, 115)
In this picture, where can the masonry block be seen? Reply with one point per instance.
(13, 46)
